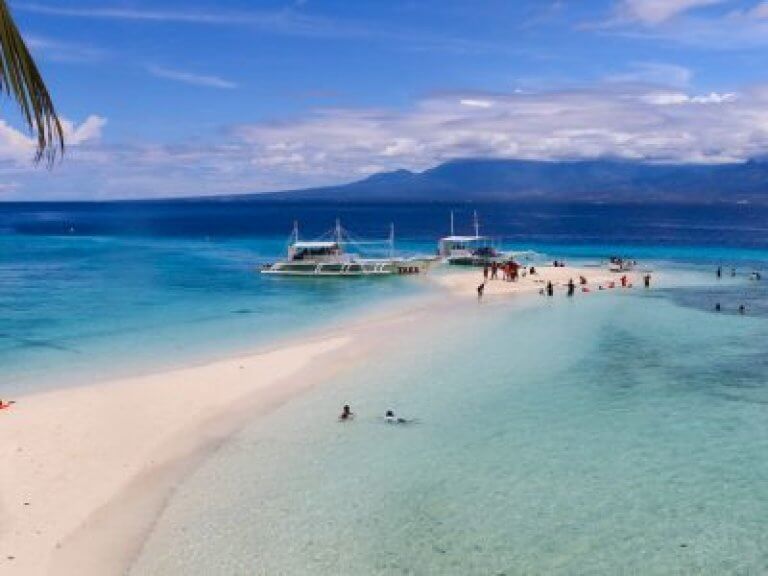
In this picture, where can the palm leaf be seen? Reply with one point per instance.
(20, 79)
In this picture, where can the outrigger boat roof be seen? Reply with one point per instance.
(462, 238)
(314, 244)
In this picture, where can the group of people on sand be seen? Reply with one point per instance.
(549, 289)
(510, 271)
(389, 416)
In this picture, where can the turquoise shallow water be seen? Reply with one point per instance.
(82, 309)
(612, 434)
(90, 291)
(617, 433)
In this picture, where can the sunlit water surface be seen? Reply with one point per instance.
(611, 434)
(618, 433)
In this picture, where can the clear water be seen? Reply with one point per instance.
(91, 291)
(613, 434)
(80, 309)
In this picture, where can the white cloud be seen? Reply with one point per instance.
(59, 51)
(191, 78)
(7, 187)
(334, 145)
(652, 12)
(670, 21)
(15, 146)
(676, 98)
(655, 73)
(757, 12)
(475, 103)
(88, 131)
(18, 148)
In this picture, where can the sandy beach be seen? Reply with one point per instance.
(88, 469)
(69, 453)
(465, 282)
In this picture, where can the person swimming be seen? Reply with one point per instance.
(346, 413)
(742, 309)
(392, 419)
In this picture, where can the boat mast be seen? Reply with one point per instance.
(451, 222)
(338, 231)
(477, 226)
(392, 240)
(295, 234)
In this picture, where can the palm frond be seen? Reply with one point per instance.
(21, 80)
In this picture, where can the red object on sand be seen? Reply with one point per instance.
(585, 289)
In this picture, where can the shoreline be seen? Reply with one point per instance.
(128, 443)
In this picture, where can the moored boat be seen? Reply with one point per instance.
(468, 250)
(329, 257)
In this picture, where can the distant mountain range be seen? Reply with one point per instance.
(578, 181)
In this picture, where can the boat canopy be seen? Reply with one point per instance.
(463, 238)
(314, 245)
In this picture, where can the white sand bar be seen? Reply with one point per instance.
(464, 281)
(69, 453)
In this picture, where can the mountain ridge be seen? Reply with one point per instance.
(619, 181)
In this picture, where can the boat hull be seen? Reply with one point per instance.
(350, 269)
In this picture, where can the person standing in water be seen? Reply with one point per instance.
(480, 290)
(346, 413)
(742, 309)
(719, 272)
(718, 308)
(550, 288)
(647, 280)
(571, 287)
(485, 272)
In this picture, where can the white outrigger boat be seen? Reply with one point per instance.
(323, 258)
(468, 250)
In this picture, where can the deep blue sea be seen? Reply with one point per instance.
(623, 433)
(93, 290)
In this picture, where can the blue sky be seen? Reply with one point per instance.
(177, 98)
